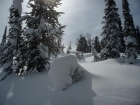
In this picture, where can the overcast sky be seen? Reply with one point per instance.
(81, 16)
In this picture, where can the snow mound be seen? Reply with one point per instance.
(64, 71)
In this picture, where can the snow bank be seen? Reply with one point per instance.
(64, 72)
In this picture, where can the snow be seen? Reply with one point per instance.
(17, 5)
(61, 71)
(109, 82)
(44, 50)
(28, 31)
(129, 40)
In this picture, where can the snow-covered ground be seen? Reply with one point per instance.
(109, 82)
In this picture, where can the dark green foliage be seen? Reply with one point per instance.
(10, 48)
(89, 42)
(96, 44)
(129, 29)
(112, 32)
(42, 37)
(3, 42)
(82, 44)
(138, 38)
(129, 32)
(77, 75)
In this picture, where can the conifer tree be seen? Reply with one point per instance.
(69, 48)
(138, 38)
(14, 30)
(3, 42)
(42, 33)
(111, 31)
(89, 42)
(96, 44)
(82, 44)
(129, 32)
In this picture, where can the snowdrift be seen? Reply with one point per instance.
(64, 71)
(109, 82)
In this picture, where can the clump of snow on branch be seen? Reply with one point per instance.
(80, 57)
(43, 49)
(64, 71)
(130, 56)
(129, 40)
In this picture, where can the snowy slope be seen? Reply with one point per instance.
(109, 82)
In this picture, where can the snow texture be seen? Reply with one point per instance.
(129, 40)
(61, 71)
(109, 82)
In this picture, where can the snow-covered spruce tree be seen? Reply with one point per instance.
(129, 32)
(95, 54)
(138, 39)
(11, 45)
(89, 41)
(111, 31)
(3, 42)
(69, 48)
(42, 33)
(82, 44)
(96, 44)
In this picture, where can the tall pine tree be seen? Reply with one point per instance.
(89, 42)
(42, 34)
(138, 38)
(96, 44)
(129, 32)
(111, 31)
(82, 45)
(3, 42)
(14, 31)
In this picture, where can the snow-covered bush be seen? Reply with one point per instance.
(80, 56)
(95, 54)
(64, 71)
(130, 56)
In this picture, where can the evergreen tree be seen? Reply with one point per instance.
(3, 42)
(62, 48)
(82, 44)
(138, 38)
(89, 41)
(14, 30)
(111, 31)
(96, 44)
(129, 33)
(42, 36)
(69, 48)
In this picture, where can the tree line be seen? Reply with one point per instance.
(84, 43)
(115, 38)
